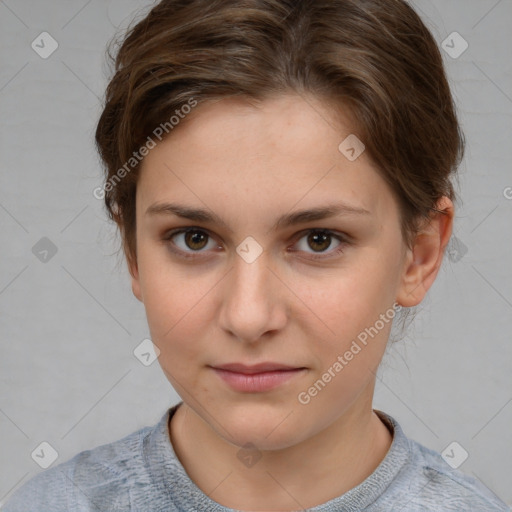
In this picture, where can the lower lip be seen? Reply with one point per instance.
(257, 382)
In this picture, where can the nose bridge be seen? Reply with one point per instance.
(250, 274)
(250, 307)
(250, 278)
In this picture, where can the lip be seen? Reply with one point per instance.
(255, 368)
(256, 378)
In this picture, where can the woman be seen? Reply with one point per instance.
(280, 172)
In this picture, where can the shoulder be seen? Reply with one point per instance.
(433, 484)
(418, 479)
(87, 481)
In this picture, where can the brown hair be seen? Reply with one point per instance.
(374, 57)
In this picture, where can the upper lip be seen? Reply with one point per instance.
(256, 368)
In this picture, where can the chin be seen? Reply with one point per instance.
(261, 428)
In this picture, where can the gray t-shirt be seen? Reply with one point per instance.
(141, 472)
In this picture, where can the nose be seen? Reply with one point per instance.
(254, 301)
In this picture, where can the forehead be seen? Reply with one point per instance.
(265, 156)
(294, 123)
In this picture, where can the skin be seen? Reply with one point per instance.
(250, 164)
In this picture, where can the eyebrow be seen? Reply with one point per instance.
(287, 220)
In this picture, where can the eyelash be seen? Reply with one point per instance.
(335, 252)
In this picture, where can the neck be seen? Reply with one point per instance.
(337, 459)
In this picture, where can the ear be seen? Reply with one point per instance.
(134, 272)
(423, 261)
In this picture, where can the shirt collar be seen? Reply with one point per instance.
(170, 476)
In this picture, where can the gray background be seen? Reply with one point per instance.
(69, 325)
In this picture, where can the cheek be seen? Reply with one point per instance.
(176, 304)
(176, 320)
(350, 298)
(166, 293)
(174, 309)
(349, 314)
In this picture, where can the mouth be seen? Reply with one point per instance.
(257, 378)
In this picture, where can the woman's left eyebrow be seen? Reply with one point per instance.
(287, 220)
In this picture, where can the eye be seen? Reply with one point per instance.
(193, 240)
(321, 239)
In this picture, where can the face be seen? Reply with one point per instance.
(242, 287)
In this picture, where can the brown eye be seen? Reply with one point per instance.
(319, 240)
(195, 239)
(186, 242)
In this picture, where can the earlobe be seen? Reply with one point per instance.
(134, 272)
(423, 261)
(136, 289)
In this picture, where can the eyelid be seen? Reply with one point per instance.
(342, 237)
